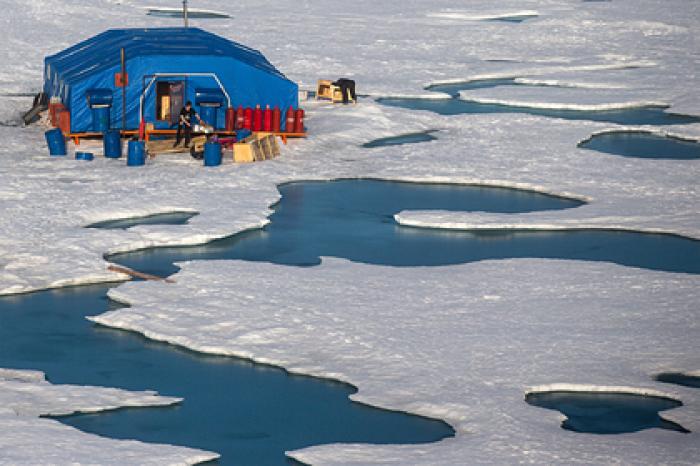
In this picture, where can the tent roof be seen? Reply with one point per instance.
(102, 51)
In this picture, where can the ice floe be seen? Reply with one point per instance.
(28, 439)
(514, 16)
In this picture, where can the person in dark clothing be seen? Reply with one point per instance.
(187, 115)
(346, 85)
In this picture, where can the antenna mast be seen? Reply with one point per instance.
(184, 12)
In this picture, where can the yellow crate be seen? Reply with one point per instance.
(325, 89)
(243, 152)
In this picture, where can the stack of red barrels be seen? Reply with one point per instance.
(267, 119)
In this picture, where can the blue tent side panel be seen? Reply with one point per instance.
(247, 77)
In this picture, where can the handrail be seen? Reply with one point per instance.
(165, 75)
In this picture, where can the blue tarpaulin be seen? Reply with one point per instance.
(196, 59)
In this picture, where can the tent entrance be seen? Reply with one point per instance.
(170, 98)
(164, 83)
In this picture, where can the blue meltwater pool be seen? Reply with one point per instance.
(641, 144)
(250, 413)
(607, 412)
(642, 115)
(353, 219)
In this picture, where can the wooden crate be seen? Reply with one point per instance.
(268, 144)
(325, 89)
(256, 148)
(244, 152)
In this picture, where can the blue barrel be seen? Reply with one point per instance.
(56, 142)
(212, 154)
(136, 154)
(100, 118)
(84, 156)
(208, 114)
(112, 142)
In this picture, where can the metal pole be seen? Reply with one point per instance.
(184, 12)
(124, 78)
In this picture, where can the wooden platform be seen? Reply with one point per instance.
(136, 274)
(165, 146)
(76, 137)
(173, 132)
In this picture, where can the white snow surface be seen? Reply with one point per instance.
(466, 16)
(558, 98)
(192, 12)
(581, 388)
(556, 83)
(494, 328)
(461, 343)
(25, 438)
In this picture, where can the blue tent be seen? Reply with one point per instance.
(165, 67)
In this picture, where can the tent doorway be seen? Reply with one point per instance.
(170, 98)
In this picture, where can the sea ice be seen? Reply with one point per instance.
(433, 341)
(423, 340)
(27, 438)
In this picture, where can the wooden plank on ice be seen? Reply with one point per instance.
(136, 274)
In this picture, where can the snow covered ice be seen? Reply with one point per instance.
(25, 438)
(463, 343)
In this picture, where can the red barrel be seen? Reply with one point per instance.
(299, 121)
(257, 118)
(52, 113)
(64, 121)
(240, 118)
(54, 110)
(289, 124)
(267, 119)
(230, 119)
(276, 117)
(248, 118)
